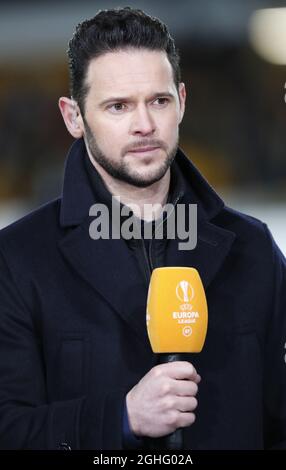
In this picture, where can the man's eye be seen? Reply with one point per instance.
(161, 101)
(116, 107)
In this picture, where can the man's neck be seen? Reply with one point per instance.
(143, 201)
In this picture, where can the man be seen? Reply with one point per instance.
(76, 367)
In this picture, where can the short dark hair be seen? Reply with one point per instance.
(112, 30)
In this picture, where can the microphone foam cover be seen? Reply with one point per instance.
(177, 312)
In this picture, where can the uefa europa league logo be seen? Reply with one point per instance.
(184, 291)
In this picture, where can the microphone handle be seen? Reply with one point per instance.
(172, 441)
(170, 357)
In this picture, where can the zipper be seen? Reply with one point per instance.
(149, 271)
(149, 260)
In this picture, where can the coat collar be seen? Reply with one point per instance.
(78, 196)
(103, 263)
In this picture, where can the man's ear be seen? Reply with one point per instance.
(182, 98)
(71, 116)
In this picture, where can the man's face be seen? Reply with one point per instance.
(132, 114)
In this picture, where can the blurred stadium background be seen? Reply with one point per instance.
(234, 66)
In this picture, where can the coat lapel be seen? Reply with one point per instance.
(213, 241)
(110, 267)
(213, 245)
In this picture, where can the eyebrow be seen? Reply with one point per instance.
(125, 99)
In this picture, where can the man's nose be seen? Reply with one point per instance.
(142, 122)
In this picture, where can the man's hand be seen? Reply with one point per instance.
(163, 400)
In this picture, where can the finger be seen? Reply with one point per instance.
(185, 388)
(180, 370)
(186, 404)
(186, 419)
(197, 379)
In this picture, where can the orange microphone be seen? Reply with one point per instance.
(177, 319)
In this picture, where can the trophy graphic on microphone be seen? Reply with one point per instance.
(185, 288)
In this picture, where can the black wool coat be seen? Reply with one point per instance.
(73, 337)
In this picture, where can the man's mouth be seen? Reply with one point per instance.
(143, 149)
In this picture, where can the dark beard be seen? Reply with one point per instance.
(120, 171)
